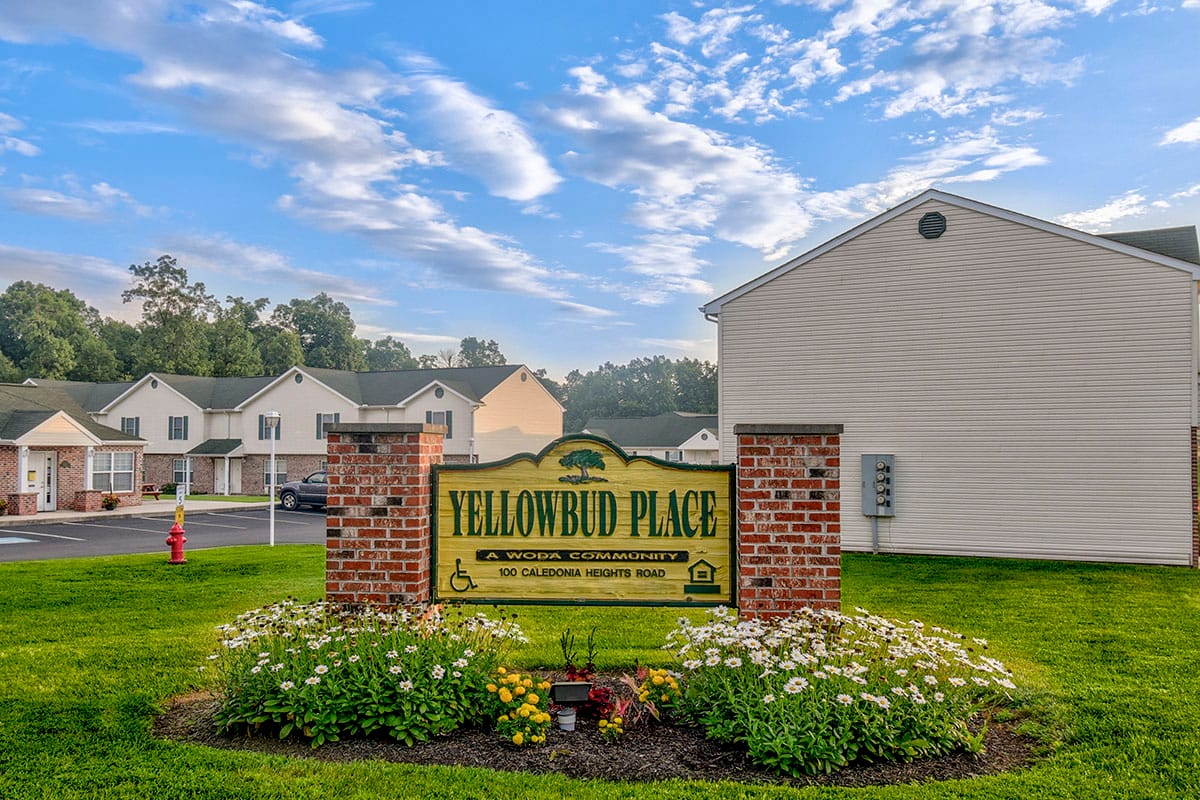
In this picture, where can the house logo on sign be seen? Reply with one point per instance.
(703, 577)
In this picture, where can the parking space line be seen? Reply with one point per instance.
(203, 524)
(53, 536)
(108, 527)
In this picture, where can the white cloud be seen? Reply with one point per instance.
(49, 203)
(686, 345)
(92, 204)
(96, 281)
(126, 127)
(483, 140)
(970, 157)
(269, 268)
(946, 57)
(9, 124)
(683, 176)
(1188, 133)
(584, 311)
(1130, 204)
(333, 131)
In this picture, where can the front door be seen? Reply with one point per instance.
(43, 479)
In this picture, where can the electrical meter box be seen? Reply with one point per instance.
(878, 485)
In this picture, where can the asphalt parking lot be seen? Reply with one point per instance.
(146, 534)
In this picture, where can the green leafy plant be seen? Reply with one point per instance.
(109, 502)
(325, 671)
(818, 690)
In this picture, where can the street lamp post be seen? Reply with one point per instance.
(271, 422)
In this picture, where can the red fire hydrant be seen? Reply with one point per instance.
(176, 540)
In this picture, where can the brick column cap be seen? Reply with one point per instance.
(386, 427)
(786, 428)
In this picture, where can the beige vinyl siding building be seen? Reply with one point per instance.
(518, 416)
(1037, 385)
(211, 428)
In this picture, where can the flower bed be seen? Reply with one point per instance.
(819, 690)
(805, 695)
(327, 672)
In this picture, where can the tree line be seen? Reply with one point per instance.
(51, 333)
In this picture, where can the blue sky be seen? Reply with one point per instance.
(571, 179)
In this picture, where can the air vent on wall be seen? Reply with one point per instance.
(932, 225)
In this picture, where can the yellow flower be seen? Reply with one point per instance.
(491, 687)
(527, 683)
(518, 691)
(502, 718)
(518, 738)
(532, 699)
(657, 680)
(666, 697)
(523, 711)
(505, 696)
(501, 670)
(643, 697)
(618, 720)
(603, 723)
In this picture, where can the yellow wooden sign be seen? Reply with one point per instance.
(583, 522)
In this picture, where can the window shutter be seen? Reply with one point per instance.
(185, 436)
(170, 427)
(261, 426)
(320, 433)
(337, 417)
(137, 426)
(449, 424)
(428, 417)
(278, 428)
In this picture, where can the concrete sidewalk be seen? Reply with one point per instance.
(149, 508)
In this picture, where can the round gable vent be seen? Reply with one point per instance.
(932, 225)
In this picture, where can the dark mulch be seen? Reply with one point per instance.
(644, 753)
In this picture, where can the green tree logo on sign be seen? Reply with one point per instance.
(582, 460)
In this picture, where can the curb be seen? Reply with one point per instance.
(54, 518)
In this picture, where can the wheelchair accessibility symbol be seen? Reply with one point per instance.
(460, 580)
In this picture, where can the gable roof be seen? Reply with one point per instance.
(713, 307)
(1178, 243)
(25, 406)
(387, 388)
(663, 430)
(92, 397)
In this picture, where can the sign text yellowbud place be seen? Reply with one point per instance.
(583, 522)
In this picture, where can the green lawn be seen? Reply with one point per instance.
(90, 647)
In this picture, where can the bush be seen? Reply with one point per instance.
(815, 691)
(325, 671)
(168, 488)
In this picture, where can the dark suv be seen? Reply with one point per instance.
(308, 492)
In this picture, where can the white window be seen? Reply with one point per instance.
(674, 455)
(442, 418)
(280, 472)
(112, 472)
(185, 470)
(131, 425)
(324, 420)
(323, 465)
(264, 432)
(177, 427)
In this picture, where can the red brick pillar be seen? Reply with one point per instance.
(788, 518)
(379, 531)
